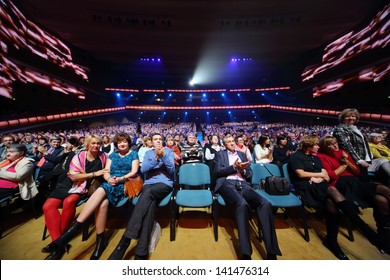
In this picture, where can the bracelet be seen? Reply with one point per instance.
(93, 175)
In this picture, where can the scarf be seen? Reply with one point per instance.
(77, 166)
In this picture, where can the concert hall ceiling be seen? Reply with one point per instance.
(281, 37)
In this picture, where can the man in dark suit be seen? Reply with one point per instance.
(48, 160)
(232, 170)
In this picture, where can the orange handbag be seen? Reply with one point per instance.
(133, 186)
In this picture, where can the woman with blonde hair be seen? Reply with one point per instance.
(83, 169)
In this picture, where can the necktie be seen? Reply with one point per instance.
(43, 160)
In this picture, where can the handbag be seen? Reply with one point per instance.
(133, 186)
(276, 185)
(95, 184)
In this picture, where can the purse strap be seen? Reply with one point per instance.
(268, 170)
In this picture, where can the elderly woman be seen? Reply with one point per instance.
(381, 156)
(120, 166)
(343, 173)
(16, 173)
(351, 139)
(311, 181)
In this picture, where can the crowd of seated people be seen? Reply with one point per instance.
(52, 153)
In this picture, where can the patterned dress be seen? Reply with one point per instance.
(120, 166)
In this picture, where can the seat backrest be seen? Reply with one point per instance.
(285, 172)
(260, 172)
(194, 174)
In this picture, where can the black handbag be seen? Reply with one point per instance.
(275, 185)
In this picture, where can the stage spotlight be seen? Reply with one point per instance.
(223, 94)
(118, 94)
(229, 112)
(170, 95)
(238, 94)
(263, 94)
(190, 94)
(208, 113)
(276, 93)
(191, 83)
(204, 95)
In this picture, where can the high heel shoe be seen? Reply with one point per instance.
(58, 252)
(52, 246)
(49, 248)
(335, 249)
(101, 244)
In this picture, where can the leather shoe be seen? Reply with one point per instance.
(50, 248)
(246, 257)
(271, 257)
(120, 249)
(335, 249)
(57, 254)
(139, 258)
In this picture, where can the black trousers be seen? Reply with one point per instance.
(140, 225)
(242, 201)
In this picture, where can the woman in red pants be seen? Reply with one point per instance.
(78, 172)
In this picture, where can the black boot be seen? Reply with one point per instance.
(101, 244)
(120, 249)
(140, 258)
(348, 209)
(58, 253)
(52, 247)
(332, 230)
(383, 224)
(59, 246)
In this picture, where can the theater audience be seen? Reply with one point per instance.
(146, 147)
(343, 173)
(292, 142)
(84, 168)
(240, 146)
(311, 181)
(281, 153)
(232, 172)
(108, 145)
(16, 173)
(58, 222)
(48, 160)
(6, 142)
(381, 157)
(351, 139)
(159, 170)
(263, 150)
(191, 151)
(377, 148)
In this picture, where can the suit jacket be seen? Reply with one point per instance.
(352, 142)
(53, 159)
(223, 169)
